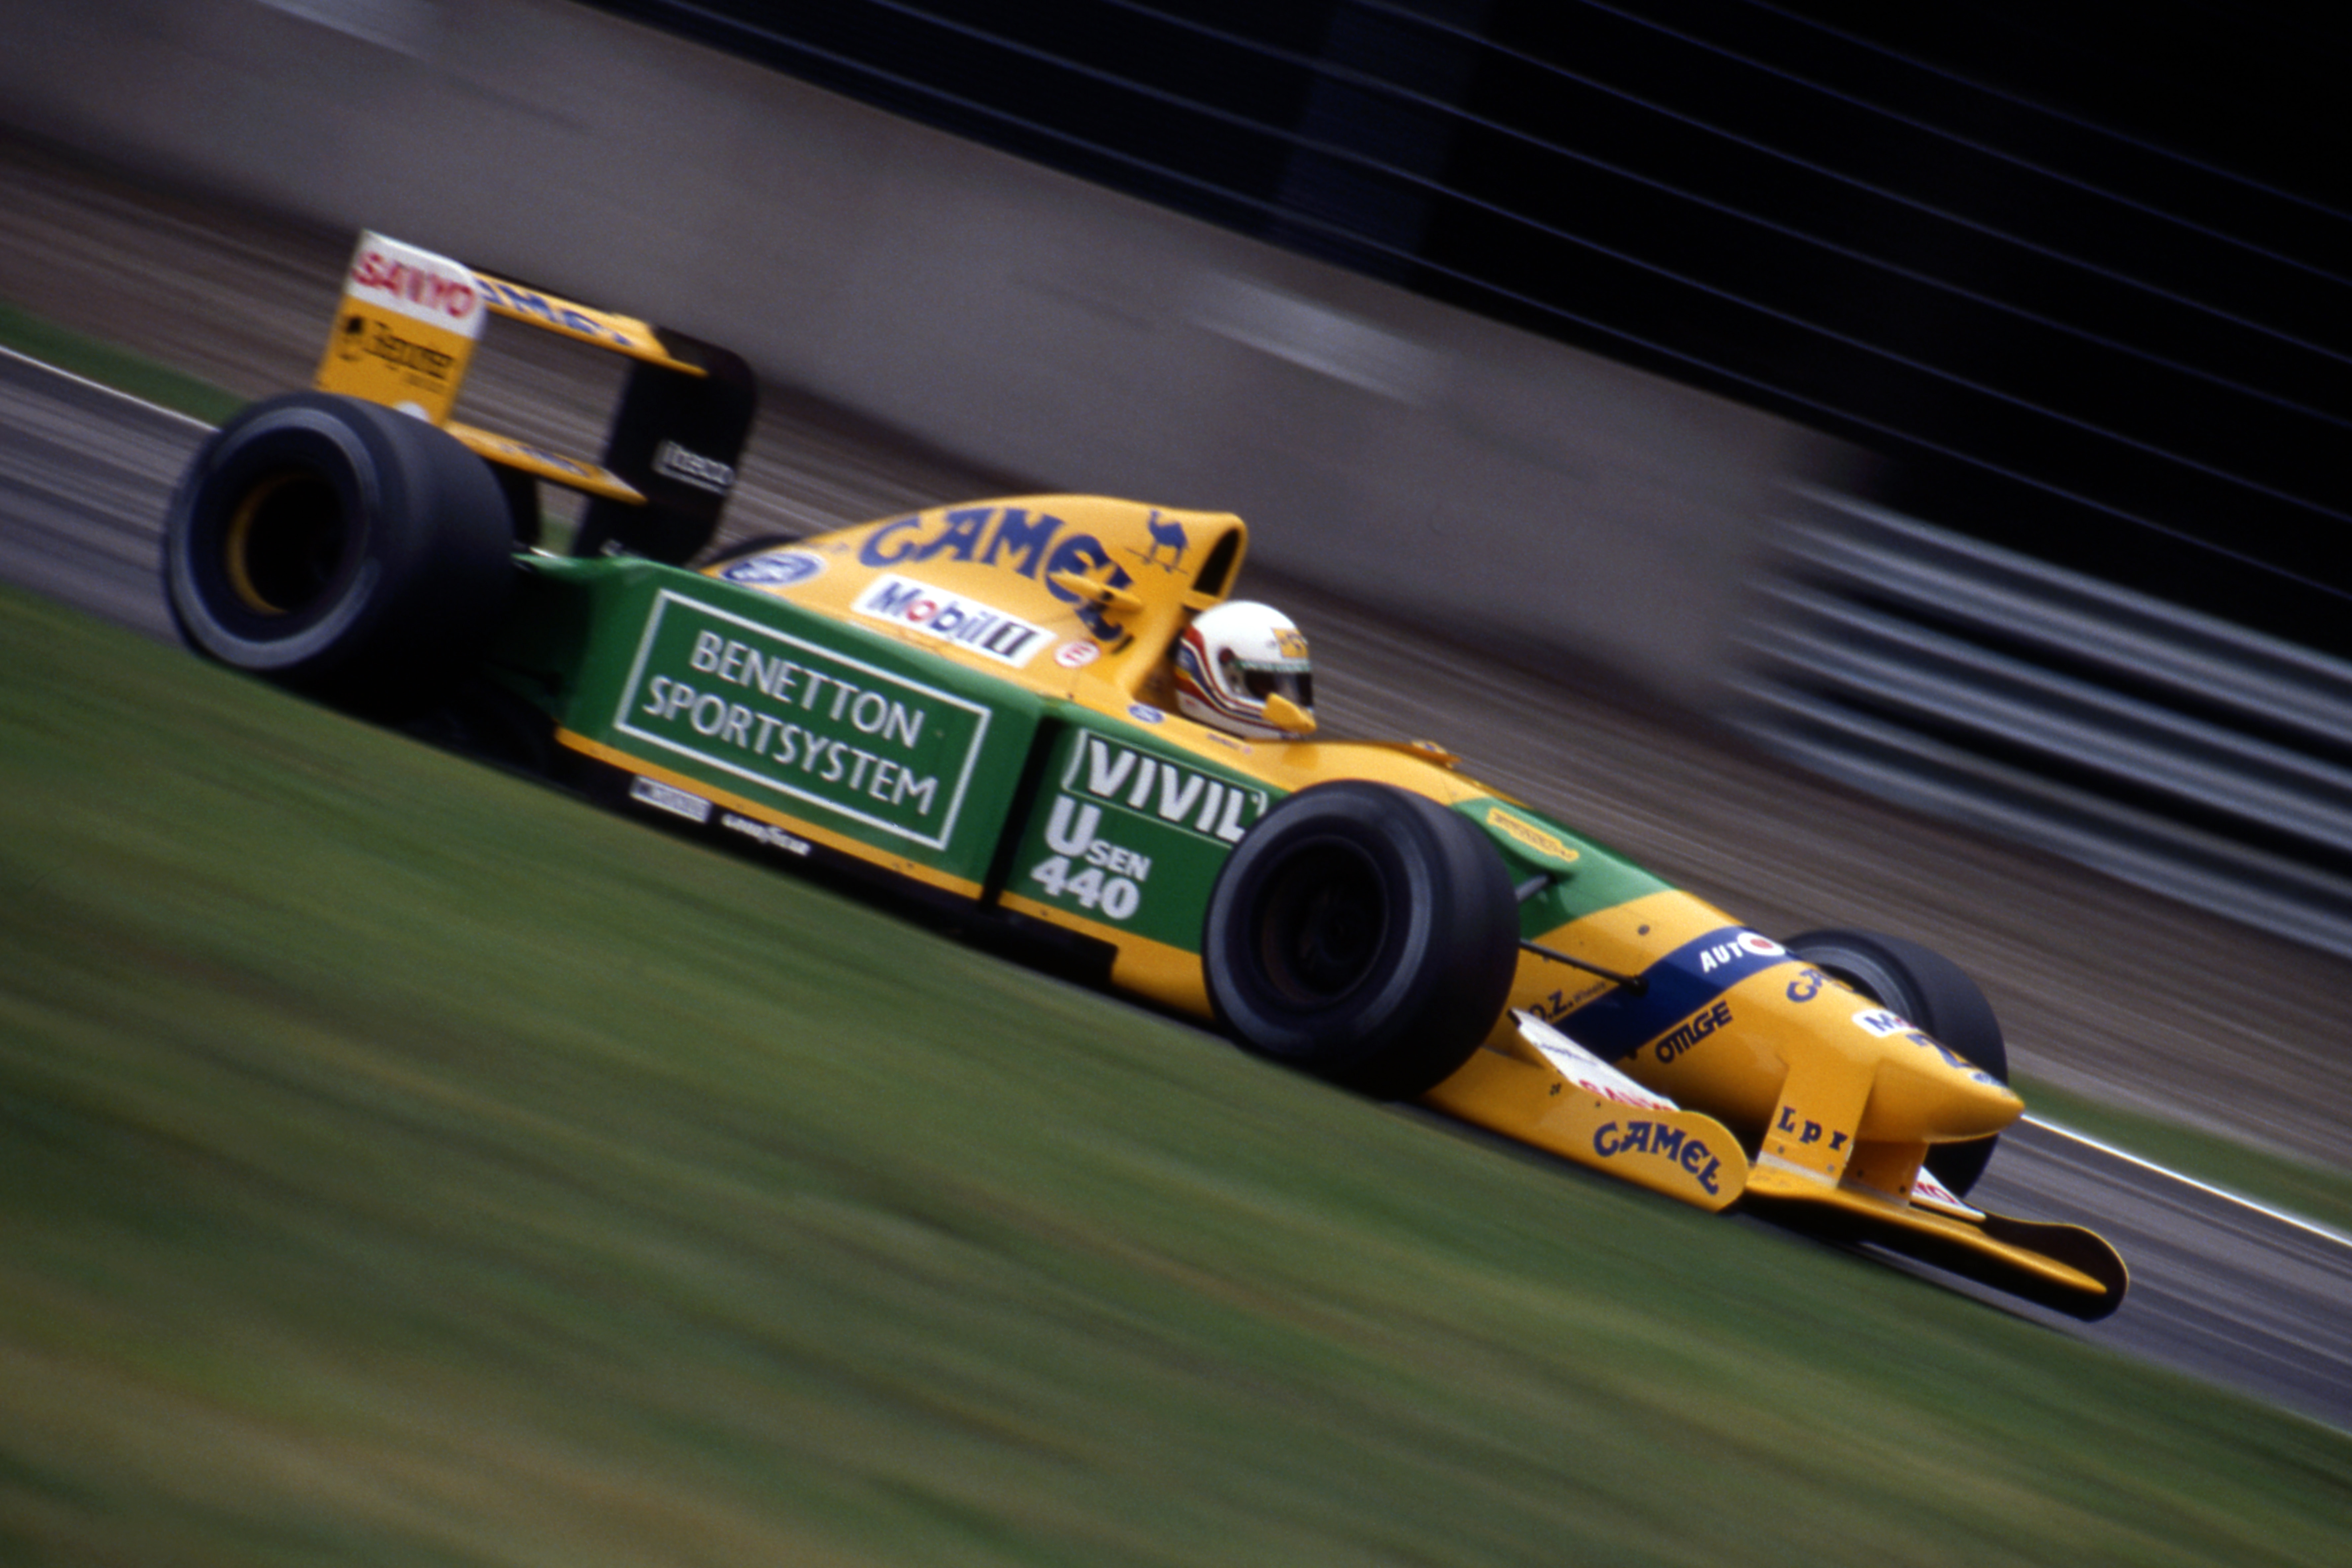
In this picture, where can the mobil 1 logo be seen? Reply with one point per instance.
(1130, 834)
(796, 720)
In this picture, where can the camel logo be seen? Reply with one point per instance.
(1168, 536)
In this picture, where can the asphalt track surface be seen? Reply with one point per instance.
(2105, 991)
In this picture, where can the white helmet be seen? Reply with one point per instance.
(1235, 655)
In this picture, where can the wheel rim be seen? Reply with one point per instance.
(1324, 923)
(285, 544)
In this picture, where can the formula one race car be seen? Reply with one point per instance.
(1051, 712)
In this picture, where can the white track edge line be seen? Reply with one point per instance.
(64, 375)
(2326, 1233)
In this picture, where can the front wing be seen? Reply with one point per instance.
(1552, 1093)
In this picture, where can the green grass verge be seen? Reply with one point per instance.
(119, 368)
(404, 1165)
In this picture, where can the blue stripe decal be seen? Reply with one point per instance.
(1617, 1022)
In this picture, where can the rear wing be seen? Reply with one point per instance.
(406, 330)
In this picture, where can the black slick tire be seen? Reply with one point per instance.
(1364, 934)
(340, 549)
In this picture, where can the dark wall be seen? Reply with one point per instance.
(2079, 272)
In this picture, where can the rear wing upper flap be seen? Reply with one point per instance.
(406, 330)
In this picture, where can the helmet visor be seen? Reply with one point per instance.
(1262, 682)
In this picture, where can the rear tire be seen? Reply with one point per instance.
(340, 549)
(1935, 994)
(1364, 934)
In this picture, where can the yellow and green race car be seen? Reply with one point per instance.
(1052, 714)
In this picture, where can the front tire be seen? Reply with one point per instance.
(1935, 994)
(1364, 934)
(340, 549)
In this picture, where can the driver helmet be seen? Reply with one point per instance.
(1232, 658)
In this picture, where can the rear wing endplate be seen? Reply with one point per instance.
(406, 332)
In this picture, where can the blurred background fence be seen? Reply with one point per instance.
(2080, 272)
(2077, 274)
(2176, 750)
(1550, 324)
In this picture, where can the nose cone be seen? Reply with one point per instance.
(1924, 1091)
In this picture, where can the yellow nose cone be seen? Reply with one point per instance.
(1926, 1092)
